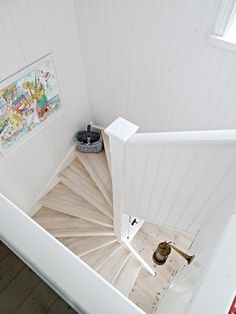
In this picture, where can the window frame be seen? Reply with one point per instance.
(225, 18)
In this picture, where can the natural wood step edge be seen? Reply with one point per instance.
(108, 257)
(108, 225)
(95, 175)
(65, 181)
(82, 234)
(126, 259)
(98, 247)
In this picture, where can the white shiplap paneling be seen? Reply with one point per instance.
(178, 185)
(28, 30)
(176, 179)
(179, 179)
(150, 61)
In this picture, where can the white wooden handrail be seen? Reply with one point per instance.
(73, 279)
(220, 137)
(176, 179)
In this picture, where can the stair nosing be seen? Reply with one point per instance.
(84, 234)
(111, 226)
(97, 248)
(125, 261)
(113, 253)
(135, 277)
(100, 187)
(63, 180)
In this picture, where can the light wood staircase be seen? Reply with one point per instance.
(78, 212)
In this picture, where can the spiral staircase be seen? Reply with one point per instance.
(78, 212)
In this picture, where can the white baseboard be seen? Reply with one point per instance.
(70, 156)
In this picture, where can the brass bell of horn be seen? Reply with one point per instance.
(163, 251)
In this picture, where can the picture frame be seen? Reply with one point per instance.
(29, 100)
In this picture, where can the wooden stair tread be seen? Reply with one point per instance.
(63, 199)
(63, 225)
(84, 245)
(107, 149)
(97, 167)
(147, 239)
(112, 267)
(77, 179)
(147, 291)
(164, 233)
(96, 259)
(125, 280)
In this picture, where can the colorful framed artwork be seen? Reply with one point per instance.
(28, 100)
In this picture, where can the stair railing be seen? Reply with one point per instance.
(119, 133)
(175, 179)
(68, 275)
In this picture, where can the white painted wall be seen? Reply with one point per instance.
(29, 29)
(218, 287)
(179, 179)
(150, 61)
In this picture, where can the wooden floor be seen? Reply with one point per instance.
(22, 291)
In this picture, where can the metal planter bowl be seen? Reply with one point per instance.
(89, 141)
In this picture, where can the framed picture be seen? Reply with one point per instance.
(28, 100)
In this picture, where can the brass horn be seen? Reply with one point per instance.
(164, 249)
(188, 258)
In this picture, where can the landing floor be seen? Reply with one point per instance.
(23, 292)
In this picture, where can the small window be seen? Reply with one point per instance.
(230, 30)
(224, 34)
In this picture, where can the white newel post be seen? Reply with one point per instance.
(119, 132)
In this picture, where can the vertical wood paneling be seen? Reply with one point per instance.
(178, 185)
(29, 29)
(222, 198)
(151, 62)
(213, 177)
(180, 171)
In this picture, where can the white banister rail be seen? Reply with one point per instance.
(74, 280)
(218, 137)
(177, 179)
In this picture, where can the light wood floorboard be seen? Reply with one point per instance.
(147, 240)
(112, 267)
(127, 276)
(99, 257)
(96, 165)
(147, 291)
(77, 179)
(85, 245)
(63, 225)
(64, 200)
